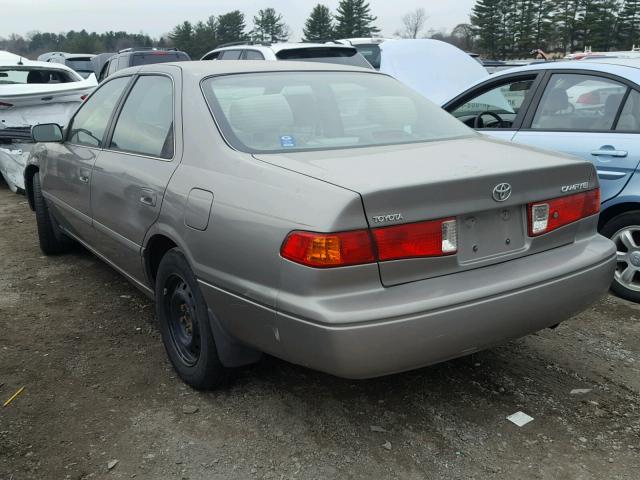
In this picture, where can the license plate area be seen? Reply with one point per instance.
(491, 233)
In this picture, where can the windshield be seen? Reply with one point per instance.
(158, 57)
(371, 52)
(294, 111)
(20, 75)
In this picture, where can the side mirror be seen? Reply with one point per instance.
(46, 132)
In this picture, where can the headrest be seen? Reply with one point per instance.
(556, 101)
(37, 76)
(261, 113)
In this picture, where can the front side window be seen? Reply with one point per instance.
(145, 124)
(497, 107)
(90, 123)
(371, 52)
(578, 102)
(294, 111)
(629, 120)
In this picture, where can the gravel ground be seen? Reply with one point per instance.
(99, 389)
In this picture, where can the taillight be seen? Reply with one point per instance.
(590, 98)
(4, 105)
(329, 249)
(424, 239)
(550, 215)
(83, 97)
(413, 240)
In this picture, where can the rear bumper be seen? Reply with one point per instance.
(495, 304)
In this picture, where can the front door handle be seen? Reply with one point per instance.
(609, 152)
(148, 197)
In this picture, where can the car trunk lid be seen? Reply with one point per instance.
(443, 179)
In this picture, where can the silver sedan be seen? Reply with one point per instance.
(326, 215)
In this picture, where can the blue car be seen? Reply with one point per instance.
(587, 108)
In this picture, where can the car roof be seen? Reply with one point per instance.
(204, 68)
(277, 47)
(597, 64)
(8, 59)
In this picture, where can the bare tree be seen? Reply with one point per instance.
(413, 23)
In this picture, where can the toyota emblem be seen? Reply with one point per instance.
(502, 192)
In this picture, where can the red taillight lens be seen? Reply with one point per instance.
(424, 239)
(83, 97)
(329, 249)
(550, 215)
(323, 250)
(591, 98)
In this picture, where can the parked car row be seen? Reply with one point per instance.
(333, 215)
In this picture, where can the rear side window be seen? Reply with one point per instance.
(371, 52)
(253, 55)
(577, 102)
(629, 120)
(145, 124)
(123, 62)
(89, 124)
(295, 111)
(230, 55)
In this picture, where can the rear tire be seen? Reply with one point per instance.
(184, 324)
(624, 230)
(52, 240)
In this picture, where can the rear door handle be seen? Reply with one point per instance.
(605, 152)
(84, 175)
(148, 197)
(610, 174)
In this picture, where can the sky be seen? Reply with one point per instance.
(157, 17)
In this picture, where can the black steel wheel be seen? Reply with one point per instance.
(184, 324)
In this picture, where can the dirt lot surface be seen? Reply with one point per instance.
(99, 388)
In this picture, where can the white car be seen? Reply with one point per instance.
(307, 52)
(31, 93)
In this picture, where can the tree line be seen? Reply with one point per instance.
(514, 28)
(352, 18)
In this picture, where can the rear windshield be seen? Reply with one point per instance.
(16, 75)
(339, 55)
(296, 111)
(371, 52)
(148, 58)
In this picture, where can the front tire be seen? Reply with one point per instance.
(624, 230)
(52, 240)
(184, 324)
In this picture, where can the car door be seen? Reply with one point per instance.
(590, 115)
(65, 172)
(496, 107)
(130, 176)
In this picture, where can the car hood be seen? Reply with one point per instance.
(436, 69)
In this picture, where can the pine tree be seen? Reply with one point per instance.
(231, 27)
(269, 27)
(599, 24)
(354, 19)
(567, 18)
(319, 25)
(628, 32)
(486, 21)
(182, 36)
(204, 37)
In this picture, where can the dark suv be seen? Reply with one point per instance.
(132, 57)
